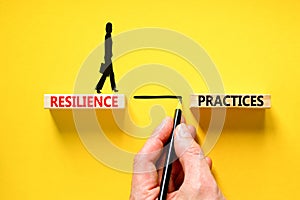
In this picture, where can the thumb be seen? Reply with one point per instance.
(190, 154)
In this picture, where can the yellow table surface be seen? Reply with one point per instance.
(254, 44)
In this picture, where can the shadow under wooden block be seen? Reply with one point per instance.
(63, 119)
(236, 119)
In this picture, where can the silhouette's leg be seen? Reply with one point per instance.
(102, 80)
(112, 78)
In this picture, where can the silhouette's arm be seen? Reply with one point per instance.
(108, 47)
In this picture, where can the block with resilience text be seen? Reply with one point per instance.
(230, 100)
(84, 101)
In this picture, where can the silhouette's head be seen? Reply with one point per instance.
(108, 27)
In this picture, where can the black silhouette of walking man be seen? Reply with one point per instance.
(108, 63)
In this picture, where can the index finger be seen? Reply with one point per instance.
(159, 137)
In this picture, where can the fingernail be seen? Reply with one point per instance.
(183, 131)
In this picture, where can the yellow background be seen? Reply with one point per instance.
(254, 44)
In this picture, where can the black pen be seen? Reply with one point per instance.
(170, 157)
(170, 152)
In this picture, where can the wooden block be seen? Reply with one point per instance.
(230, 101)
(84, 101)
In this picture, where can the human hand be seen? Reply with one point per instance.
(191, 177)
